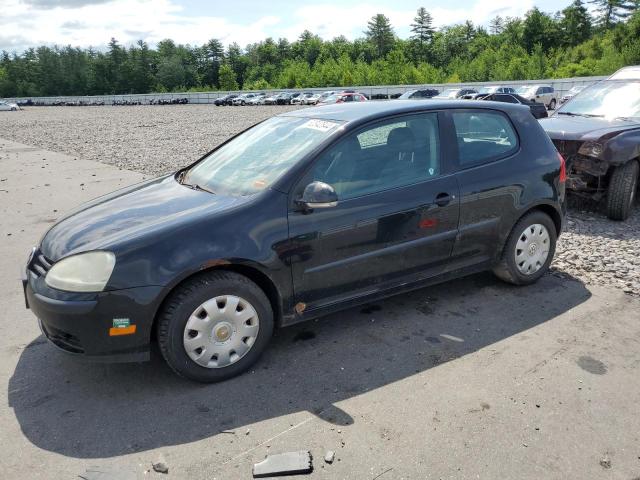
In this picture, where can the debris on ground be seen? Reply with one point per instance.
(329, 456)
(99, 473)
(289, 463)
(160, 466)
(605, 463)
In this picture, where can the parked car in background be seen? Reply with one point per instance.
(225, 100)
(304, 214)
(243, 99)
(309, 99)
(598, 132)
(8, 106)
(294, 96)
(418, 94)
(454, 93)
(283, 99)
(299, 99)
(576, 89)
(324, 95)
(256, 99)
(343, 98)
(271, 99)
(540, 93)
(538, 110)
(229, 101)
(484, 91)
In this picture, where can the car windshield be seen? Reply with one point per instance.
(487, 89)
(608, 99)
(253, 160)
(575, 90)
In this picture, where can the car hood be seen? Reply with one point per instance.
(142, 209)
(565, 127)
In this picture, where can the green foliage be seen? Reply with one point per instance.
(380, 35)
(227, 77)
(567, 44)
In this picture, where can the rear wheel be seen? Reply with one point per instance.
(529, 250)
(215, 326)
(621, 193)
(552, 104)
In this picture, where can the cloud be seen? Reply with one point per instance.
(83, 23)
(46, 4)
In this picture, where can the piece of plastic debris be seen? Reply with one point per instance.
(329, 456)
(289, 463)
(160, 467)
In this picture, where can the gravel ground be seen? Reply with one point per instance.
(159, 139)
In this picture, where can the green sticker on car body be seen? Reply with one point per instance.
(121, 322)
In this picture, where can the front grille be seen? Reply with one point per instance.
(40, 264)
(64, 340)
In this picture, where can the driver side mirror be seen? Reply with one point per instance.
(318, 195)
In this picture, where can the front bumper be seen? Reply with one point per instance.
(82, 323)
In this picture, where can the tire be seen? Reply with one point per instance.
(182, 307)
(621, 193)
(509, 268)
(552, 104)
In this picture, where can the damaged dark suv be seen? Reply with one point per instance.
(598, 133)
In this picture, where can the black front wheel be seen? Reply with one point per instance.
(215, 326)
(621, 194)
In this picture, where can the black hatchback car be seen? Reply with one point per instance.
(303, 214)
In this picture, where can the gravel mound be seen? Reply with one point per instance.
(160, 139)
(153, 139)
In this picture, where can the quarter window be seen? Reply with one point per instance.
(390, 154)
(483, 136)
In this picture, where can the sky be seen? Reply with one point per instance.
(84, 23)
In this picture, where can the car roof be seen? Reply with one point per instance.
(626, 73)
(365, 111)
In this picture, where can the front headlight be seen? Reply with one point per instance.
(85, 272)
(591, 149)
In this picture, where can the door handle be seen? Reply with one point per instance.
(443, 199)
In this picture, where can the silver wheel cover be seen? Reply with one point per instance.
(221, 331)
(532, 249)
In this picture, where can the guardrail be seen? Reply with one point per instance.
(561, 86)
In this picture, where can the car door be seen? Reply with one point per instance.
(485, 139)
(395, 220)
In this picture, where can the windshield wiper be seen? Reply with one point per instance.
(574, 114)
(193, 186)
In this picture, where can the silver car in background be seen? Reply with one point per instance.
(8, 107)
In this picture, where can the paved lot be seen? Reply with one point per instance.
(470, 379)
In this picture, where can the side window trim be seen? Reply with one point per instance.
(445, 153)
(453, 140)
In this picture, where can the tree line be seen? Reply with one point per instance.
(572, 42)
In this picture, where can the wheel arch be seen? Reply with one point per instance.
(548, 209)
(251, 272)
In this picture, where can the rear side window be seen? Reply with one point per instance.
(483, 136)
(506, 98)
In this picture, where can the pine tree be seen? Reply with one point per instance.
(610, 12)
(496, 25)
(380, 34)
(575, 23)
(423, 27)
